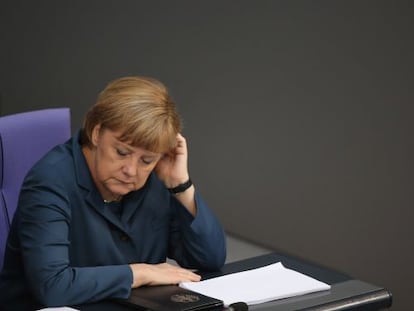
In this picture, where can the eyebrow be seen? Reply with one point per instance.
(130, 148)
(119, 143)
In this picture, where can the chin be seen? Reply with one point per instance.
(124, 190)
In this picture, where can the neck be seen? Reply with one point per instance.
(119, 198)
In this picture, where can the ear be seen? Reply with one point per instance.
(95, 135)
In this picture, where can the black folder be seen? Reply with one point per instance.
(170, 298)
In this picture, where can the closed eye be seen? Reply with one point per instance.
(121, 152)
(147, 161)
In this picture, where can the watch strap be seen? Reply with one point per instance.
(181, 187)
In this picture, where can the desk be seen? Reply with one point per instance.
(346, 293)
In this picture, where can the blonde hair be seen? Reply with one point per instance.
(141, 109)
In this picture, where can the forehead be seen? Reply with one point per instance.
(113, 138)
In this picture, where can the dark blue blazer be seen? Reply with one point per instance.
(67, 247)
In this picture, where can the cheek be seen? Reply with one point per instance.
(144, 172)
(106, 167)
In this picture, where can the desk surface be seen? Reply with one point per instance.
(346, 293)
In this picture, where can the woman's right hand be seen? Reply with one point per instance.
(160, 274)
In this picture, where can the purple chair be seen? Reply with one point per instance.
(24, 139)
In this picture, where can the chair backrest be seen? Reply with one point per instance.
(24, 138)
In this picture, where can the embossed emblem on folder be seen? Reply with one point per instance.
(170, 298)
(184, 298)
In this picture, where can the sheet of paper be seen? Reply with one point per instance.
(258, 285)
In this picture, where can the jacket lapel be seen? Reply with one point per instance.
(84, 180)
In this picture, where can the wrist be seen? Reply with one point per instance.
(181, 187)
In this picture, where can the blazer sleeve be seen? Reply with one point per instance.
(197, 242)
(44, 223)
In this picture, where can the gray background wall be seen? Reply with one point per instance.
(299, 114)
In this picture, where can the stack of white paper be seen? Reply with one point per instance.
(258, 285)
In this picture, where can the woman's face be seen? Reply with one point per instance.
(117, 167)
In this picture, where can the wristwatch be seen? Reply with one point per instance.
(181, 187)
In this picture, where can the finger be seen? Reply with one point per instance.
(195, 278)
(181, 141)
(190, 276)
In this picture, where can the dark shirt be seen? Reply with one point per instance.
(66, 246)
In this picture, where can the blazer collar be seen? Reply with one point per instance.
(93, 197)
(83, 174)
(84, 179)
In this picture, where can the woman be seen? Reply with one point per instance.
(100, 214)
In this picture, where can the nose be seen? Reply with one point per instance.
(130, 167)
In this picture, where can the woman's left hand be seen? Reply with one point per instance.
(172, 168)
